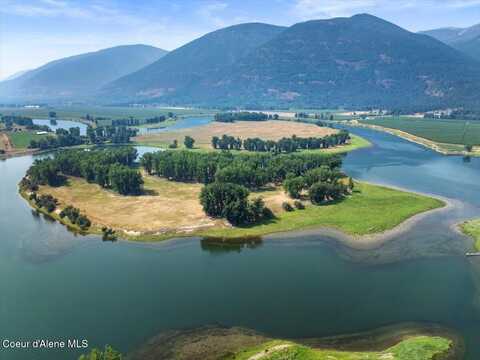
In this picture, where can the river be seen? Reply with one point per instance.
(56, 285)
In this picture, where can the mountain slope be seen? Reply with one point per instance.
(355, 62)
(466, 40)
(79, 75)
(203, 57)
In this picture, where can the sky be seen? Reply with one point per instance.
(34, 32)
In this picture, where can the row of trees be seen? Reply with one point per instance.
(72, 137)
(109, 168)
(252, 170)
(286, 145)
(230, 117)
(10, 120)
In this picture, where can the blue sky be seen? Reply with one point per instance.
(33, 32)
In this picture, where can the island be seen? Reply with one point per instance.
(229, 189)
(398, 342)
(472, 229)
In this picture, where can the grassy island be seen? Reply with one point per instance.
(419, 348)
(169, 209)
(219, 194)
(472, 228)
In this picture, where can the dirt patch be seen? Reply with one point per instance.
(267, 130)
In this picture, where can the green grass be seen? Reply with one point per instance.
(371, 209)
(21, 139)
(472, 228)
(415, 348)
(438, 130)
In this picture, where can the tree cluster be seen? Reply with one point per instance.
(230, 117)
(284, 145)
(109, 168)
(322, 183)
(230, 201)
(64, 138)
(73, 214)
(252, 170)
(48, 202)
(10, 120)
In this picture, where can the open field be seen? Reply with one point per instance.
(418, 348)
(111, 112)
(472, 228)
(21, 139)
(172, 208)
(371, 209)
(267, 130)
(458, 132)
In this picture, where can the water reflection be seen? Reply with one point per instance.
(219, 245)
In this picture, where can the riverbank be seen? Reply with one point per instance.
(365, 219)
(399, 342)
(442, 148)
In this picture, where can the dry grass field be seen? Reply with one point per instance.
(267, 130)
(167, 207)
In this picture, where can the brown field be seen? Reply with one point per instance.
(168, 207)
(267, 130)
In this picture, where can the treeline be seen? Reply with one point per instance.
(64, 138)
(230, 117)
(10, 120)
(251, 170)
(72, 137)
(109, 168)
(130, 121)
(50, 203)
(284, 145)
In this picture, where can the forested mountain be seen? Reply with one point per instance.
(203, 58)
(80, 75)
(355, 62)
(466, 40)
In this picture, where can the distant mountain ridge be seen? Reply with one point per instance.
(360, 61)
(466, 40)
(80, 75)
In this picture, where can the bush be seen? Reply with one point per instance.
(299, 205)
(173, 145)
(48, 202)
(287, 207)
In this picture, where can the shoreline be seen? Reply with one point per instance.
(217, 339)
(429, 144)
(355, 242)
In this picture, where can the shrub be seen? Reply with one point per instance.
(299, 205)
(287, 207)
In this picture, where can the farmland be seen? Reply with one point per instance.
(458, 132)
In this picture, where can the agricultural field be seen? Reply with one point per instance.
(22, 139)
(459, 132)
(266, 130)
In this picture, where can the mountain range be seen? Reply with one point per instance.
(80, 75)
(360, 61)
(466, 40)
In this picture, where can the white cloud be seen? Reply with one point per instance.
(209, 12)
(331, 8)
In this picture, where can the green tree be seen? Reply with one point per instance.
(189, 141)
(108, 353)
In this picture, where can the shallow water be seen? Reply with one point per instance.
(58, 285)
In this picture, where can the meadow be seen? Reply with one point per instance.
(459, 132)
(21, 139)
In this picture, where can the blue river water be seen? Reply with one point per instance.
(57, 285)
